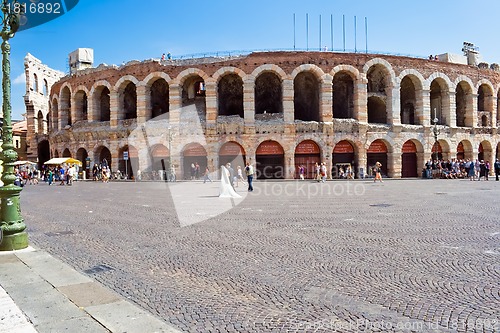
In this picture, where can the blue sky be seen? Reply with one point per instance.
(123, 30)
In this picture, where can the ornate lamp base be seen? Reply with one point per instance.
(14, 242)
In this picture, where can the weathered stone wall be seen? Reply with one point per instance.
(251, 130)
(39, 81)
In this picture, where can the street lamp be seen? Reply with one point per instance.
(12, 223)
(171, 174)
(435, 132)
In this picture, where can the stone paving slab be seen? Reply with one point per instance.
(39, 293)
(290, 257)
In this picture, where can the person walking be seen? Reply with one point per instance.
(206, 176)
(497, 169)
(249, 172)
(239, 176)
(378, 172)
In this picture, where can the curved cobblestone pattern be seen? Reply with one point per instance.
(400, 254)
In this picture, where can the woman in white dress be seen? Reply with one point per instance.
(226, 190)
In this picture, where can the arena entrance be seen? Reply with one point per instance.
(232, 152)
(460, 151)
(193, 154)
(437, 151)
(82, 155)
(409, 160)
(270, 160)
(43, 150)
(343, 155)
(104, 156)
(160, 161)
(307, 153)
(377, 152)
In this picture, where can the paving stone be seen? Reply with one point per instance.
(290, 257)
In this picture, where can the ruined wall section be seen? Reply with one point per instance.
(39, 80)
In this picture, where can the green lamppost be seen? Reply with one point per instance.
(11, 223)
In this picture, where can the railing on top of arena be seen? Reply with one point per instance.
(237, 53)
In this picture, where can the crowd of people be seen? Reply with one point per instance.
(459, 168)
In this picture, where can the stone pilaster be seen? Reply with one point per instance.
(362, 161)
(249, 105)
(143, 104)
(113, 107)
(326, 102)
(471, 116)
(175, 106)
(393, 106)
(449, 108)
(288, 107)
(394, 162)
(494, 110)
(289, 171)
(211, 106)
(423, 107)
(361, 99)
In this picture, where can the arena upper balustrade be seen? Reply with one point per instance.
(279, 110)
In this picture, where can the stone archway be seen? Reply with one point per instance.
(307, 154)
(43, 150)
(409, 167)
(270, 160)
(377, 152)
(194, 154)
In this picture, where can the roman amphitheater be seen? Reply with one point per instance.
(277, 110)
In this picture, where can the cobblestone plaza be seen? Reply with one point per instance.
(402, 255)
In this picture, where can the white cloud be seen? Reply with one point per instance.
(21, 79)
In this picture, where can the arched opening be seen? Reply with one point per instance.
(159, 98)
(268, 94)
(307, 154)
(270, 160)
(485, 152)
(409, 160)
(102, 104)
(39, 119)
(43, 151)
(485, 99)
(193, 93)
(484, 121)
(81, 155)
(306, 92)
(438, 101)
(81, 106)
(161, 159)
(194, 161)
(343, 96)
(103, 156)
(56, 153)
(463, 105)
(126, 156)
(408, 101)
(232, 152)
(45, 87)
(230, 95)
(377, 152)
(437, 151)
(376, 110)
(47, 123)
(128, 101)
(66, 153)
(343, 156)
(54, 109)
(65, 108)
(35, 82)
(460, 151)
(378, 82)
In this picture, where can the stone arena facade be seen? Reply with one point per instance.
(277, 110)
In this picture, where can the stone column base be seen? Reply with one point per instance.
(16, 241)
